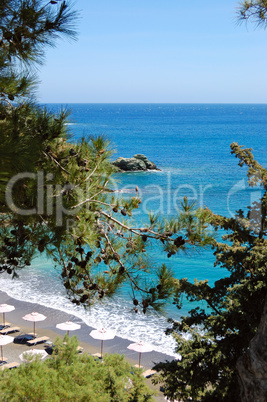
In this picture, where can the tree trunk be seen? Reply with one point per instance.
(252, 366)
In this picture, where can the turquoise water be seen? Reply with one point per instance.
(191, 146)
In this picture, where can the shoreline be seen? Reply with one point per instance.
(48, 328)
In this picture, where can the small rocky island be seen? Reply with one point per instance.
(137, 163)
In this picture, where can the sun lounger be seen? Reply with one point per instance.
(2, 361)
(9, 330)
(10, 365)
(37, 340)
(7, 324)
(149, 373)
(22, 338)
(97, 355)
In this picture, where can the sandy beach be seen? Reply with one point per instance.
(48, 328)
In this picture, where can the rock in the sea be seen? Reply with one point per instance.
(149, 165)
(138, 162)
(129, 164)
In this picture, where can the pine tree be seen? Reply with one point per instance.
(219, 332)
(55, 195)
(253, 10)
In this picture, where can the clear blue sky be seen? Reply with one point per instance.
(144, 51)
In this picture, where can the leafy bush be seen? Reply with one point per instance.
(69, 376)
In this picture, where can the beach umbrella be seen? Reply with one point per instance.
(34, 317)
(102, 334)
(141, 348)
(68, 326)
(5, 308)
(4, 340)
(31, 354)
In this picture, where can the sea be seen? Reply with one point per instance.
(190, 144)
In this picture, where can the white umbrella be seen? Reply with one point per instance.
(140, 347)
(31, 354)
(34, 317)
(5, 308)
(4, 340)
(102, 334)
(68, 326)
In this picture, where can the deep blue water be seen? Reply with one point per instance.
(190, 143)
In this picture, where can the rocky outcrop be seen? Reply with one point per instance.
(138, 162)
(252, 367)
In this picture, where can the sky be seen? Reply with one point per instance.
(157, 51)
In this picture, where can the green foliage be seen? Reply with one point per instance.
(254, 10)
(28, 26)
(214, 336)
(68, 376)
(56, 197)
(64, 206)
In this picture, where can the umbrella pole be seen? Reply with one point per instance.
(2, 354)
(101, 348)
(4, 321)
(34, 328)
(139, 359)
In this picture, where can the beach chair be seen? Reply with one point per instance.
(22, 338)
(9, 330)
(79, 349)
(97, 355)
(7, 324)
(42, 339)
(149, 373)
(10, 365)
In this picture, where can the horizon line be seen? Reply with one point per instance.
(158, 103)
